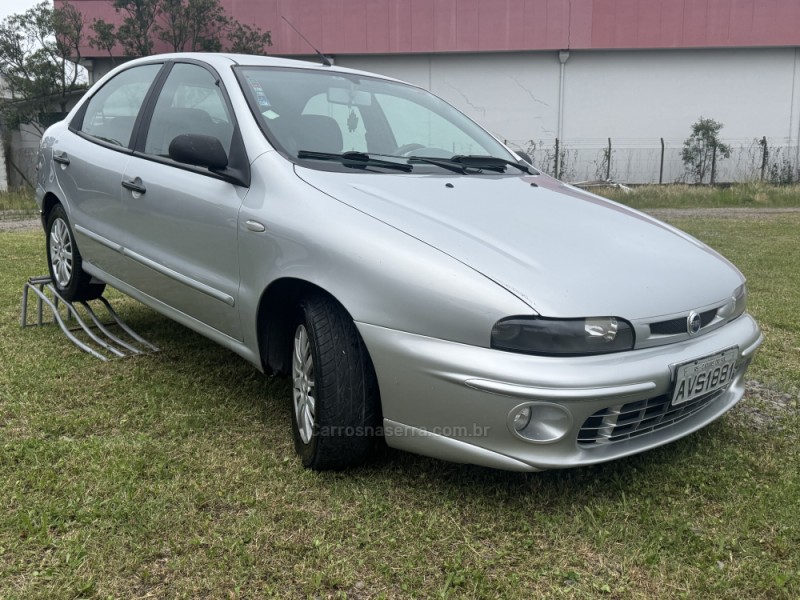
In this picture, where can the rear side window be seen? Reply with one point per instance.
(190, 102)
(111, 113)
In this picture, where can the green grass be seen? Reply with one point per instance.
(18, 203)
(747, 195)
(173, 476)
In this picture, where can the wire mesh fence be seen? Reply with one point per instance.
(623, 160)
(660, 160)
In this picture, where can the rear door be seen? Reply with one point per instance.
(91, 158)
(181, 221)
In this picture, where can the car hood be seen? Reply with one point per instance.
(563, 251)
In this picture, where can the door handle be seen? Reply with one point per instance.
(134, 185)
(61, 157)
(255, 226)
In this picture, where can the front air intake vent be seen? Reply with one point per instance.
(676, 326)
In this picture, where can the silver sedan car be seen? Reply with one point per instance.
(420, 282)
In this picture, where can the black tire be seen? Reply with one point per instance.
(346, 403)
(67, 274)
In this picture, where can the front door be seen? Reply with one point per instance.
(181, 231)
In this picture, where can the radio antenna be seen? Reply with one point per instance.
(325, 60)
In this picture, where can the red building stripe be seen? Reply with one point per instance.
(422, 26)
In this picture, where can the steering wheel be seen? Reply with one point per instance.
(405, 149)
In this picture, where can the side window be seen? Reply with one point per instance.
(190, 102)
(412, 123)
(111, 112)
(348, 119)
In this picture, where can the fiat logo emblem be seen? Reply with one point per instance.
(693, 323)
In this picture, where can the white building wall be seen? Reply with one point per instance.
(634, 97)
(515, 96)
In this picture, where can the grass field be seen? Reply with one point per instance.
(173, 476)
(747, 195)
(17, 204)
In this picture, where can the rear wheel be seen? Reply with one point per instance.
(336, 408)
(64, 261)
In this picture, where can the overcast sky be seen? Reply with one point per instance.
(9, 7)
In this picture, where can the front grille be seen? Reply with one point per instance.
(618, 423)
(674, 326)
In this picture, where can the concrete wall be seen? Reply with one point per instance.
(23, 151)
(3, 175)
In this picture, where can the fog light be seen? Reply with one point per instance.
(522, 418)
(540, 422)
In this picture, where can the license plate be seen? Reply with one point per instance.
(704, 375)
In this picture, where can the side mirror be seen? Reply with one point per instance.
(198, 150)
(524, 156)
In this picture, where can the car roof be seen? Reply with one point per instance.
(223, 60)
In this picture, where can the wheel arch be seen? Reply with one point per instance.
(48, 202)
(276, 317)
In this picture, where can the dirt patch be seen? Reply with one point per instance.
(21, 225)
(763, 405)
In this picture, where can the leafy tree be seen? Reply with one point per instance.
(699, 148)
(104, 38)
(183, 25)
(246, 39)
(192, 25)
(134, 33)
(39, 53)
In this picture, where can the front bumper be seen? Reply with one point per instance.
(453, 401)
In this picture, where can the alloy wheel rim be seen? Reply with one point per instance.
(304, 392)
(61, 252)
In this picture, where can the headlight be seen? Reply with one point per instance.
(535, 335)
(739, 302)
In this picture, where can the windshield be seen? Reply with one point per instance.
(310, 113)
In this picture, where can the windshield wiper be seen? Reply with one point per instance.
(445, 163)
(492, 163)
(460, 163)
(355, 159)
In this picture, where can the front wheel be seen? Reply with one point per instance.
(64, 261)
(335, 400)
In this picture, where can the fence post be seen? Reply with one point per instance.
(713, 163)
(764, 156)
(608, 162)
(558, 161)
(661, 170)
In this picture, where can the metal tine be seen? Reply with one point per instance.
(124, 327)
(86, 329)
(40, 306)
(108, 334)
(23, 318)
(33, 281)
(64, 328)
(72, 321)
